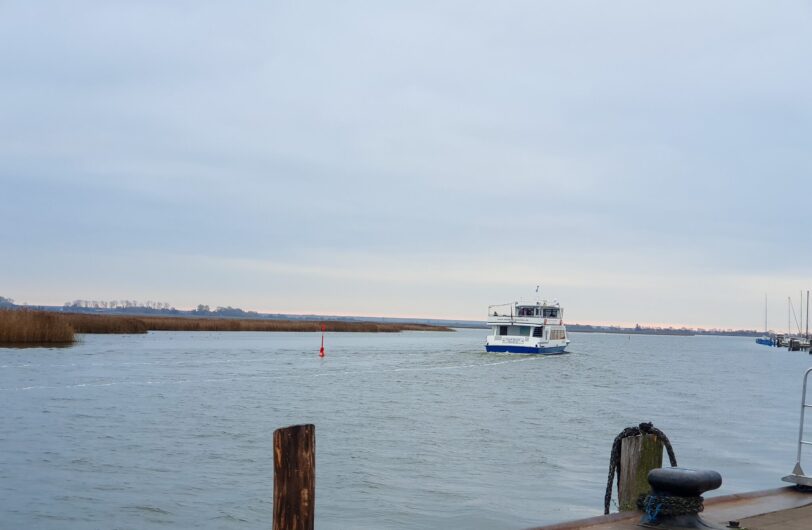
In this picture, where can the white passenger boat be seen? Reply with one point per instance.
(527, 328)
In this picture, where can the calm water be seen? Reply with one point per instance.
(414, 430)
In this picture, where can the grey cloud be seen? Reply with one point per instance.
(260, 130)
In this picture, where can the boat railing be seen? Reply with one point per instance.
(507, 319)
(502, 310)
(798, 476)
(513, 312)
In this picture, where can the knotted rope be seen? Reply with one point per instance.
(614, 459)
(656, 506)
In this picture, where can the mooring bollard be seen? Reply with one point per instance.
(294, 478)
(676, 498)
(638, 455)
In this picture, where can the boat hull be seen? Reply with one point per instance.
(509, 348)
(766, 341)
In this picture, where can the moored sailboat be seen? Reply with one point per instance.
(765, 339)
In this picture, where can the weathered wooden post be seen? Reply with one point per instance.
(638, 455)
(294, 477)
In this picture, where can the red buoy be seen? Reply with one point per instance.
(321, 351)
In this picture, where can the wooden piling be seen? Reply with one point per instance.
(638, 455)
(294, 480)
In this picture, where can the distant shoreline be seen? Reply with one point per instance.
(135, 310)
(48, 328)
(682, 332)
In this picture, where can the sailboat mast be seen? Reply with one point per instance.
(765, 313)
(807, 314)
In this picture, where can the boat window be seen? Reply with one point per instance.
(538, 332)
(503, 330)
(558, 334)
(550, 312)
(524, 331)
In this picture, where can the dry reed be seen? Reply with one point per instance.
(227, 324)
(83, 323)
(33, 327)
(42, 327)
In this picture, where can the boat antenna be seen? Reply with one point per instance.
(537, 294)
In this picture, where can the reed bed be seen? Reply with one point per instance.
(42, 327)
(227, 324)
(20, 327)
(83, 323)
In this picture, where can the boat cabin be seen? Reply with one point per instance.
(527, 328)
(524, 312)
(537, 311)
(519, 331)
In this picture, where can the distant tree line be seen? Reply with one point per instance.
(117, 304)
(204, 310)
(644, 330)
(151, 307)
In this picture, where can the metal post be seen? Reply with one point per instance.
(801, 428)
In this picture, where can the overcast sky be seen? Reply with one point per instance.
(643, 161)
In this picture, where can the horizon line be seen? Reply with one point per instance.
(626, 324)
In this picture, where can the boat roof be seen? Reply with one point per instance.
(541, 303)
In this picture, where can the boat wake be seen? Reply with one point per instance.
(275, 377)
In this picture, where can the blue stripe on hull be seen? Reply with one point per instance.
(524, 349)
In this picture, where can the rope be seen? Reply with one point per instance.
(655, 506)
(614, 458)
